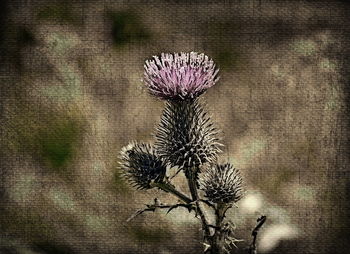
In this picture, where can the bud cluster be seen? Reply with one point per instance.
(185, 137)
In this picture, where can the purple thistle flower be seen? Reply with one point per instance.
(180, 76)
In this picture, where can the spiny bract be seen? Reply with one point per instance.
(185, 136)
(222, 183)
(141, 165)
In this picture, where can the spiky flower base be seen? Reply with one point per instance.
(222, 184)
(141, 165)
(185, 136)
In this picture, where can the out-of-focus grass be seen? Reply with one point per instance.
(23, 190)
(56, 141)
(51, 138)
(18, 37)
(273, 183)
(97, 223)
(304, 193)
(62, 200)
(150, 235)
(127, 27)
(28, 225)
(25, 36)
(226, 58)
(52, 248)
(119, 184)
(60, 12)
(304, 47)
(224, 51)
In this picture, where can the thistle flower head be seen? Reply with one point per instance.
(185, 136)
(179, 76)
(222, 183)
(141, 165)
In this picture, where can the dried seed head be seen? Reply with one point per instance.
(141, 165)
(185, 136)
(222, 183)
(179, 76)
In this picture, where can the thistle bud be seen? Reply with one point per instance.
(222, 183)
(141, 165)
(185, 136)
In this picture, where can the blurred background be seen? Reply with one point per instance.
(71, 96)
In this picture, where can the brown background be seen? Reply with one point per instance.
(71, 97)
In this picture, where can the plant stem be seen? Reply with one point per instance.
(169, 188)
(260, 222)
(216, 243)
(194, 193)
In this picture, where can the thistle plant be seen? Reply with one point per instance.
(187, 139)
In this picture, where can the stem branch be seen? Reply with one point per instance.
(194, 193)
(157, 205)
(171, 189)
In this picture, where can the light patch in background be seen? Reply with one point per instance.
(67, 91)
(278, 214)
(58, 47)
(60, 43)
(248, 149)
(328, 65)
(24, 188)
(25, 251)
(62, 200)
(251, 203)
(304, 47)
(305, 193)
(278, 72)
(96, 223)
(333, 100)
(272, 235)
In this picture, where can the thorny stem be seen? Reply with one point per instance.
(216, 246)
(157, 205)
